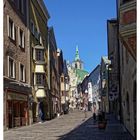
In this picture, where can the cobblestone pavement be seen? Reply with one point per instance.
(72, 126)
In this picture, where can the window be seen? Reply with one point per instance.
(76, 66)
(40, 39)
(22, 73)
(11, 28)
(125, 1)
(35, 32)
(62, 79)
(32, 27)
(13, 1)
(33, 77)
(21, 6)
(39, 55)
(21, 38)
(40, 78)
(11, 67)
(80, 66)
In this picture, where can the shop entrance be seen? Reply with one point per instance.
(17, 114)
(10, 114)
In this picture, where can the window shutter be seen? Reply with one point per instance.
(14, 69)
(8, 65)
(32, 26)
(33, 78)
(13, 28)
(8, 24)
(40, 39)
(23, 40)
(24, 74)
(19, 72)
(19, 36)
(15, 34)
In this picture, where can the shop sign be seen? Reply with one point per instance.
(15, 96)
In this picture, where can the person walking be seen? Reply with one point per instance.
(94, 117)
(94, 113)
(85, 110)
(40, 112)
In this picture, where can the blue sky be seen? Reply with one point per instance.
(81, 22)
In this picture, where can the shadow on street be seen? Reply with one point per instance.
(89, 130)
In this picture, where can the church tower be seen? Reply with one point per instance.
(77, 63)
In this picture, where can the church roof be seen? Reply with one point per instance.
(81, 74)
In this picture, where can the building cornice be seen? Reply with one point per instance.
(44, 8)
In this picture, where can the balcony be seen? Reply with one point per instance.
(40, 93)
(39, 69)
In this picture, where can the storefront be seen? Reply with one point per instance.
(17, 112)
(16, 103)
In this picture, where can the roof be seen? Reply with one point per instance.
(44, 8)
(81, 74)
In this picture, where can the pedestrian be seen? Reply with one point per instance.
(85, 111)
(94, 117)
(40, 112)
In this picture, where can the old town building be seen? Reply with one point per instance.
(127, 41)
(83, 90)
(104, 83)
(55, 101)
(61, 77)
(113, 73)
(38, 18)
(89, 88)
(65, 89)
(93, 91)
(16, 57)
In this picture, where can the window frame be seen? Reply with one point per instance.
(41, 54)
(21, 38)
(13, 75)
(42, 79)
(10, 28)
(21, 6)
(23, 72)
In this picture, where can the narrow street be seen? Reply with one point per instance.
(72, 126)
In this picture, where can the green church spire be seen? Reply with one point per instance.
(77, 54)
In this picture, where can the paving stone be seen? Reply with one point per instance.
(72, 126)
